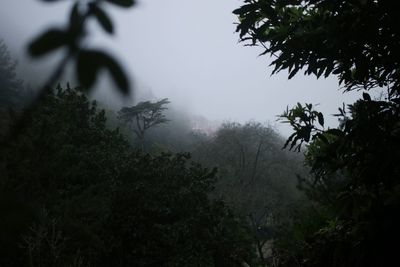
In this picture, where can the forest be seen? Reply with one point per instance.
(84, 183)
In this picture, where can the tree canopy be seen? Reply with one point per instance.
(358, 40)
(355, 176)
(74, 193)
(144, 116)
(257, 179)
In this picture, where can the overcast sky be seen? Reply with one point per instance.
(186, 50)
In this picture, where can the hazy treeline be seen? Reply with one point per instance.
(78, 189)
(138, 186)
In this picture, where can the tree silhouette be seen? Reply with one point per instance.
(143, 116)
(10, 86)
(355, 173)
(358, 40)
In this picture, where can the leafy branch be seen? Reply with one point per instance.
(89, 62)
(302, 119)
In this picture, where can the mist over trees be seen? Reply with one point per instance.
(74, 192)
(11, 86)
(147, 184)
(68, 184)
(257, 179)
(143, 116)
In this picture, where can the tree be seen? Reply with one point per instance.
(12, 93)
(358, 40)
(144, 116)
(161, 215)
(256, 178)
(355, 178)
(10, 86)
(74, 193)
(55, 178)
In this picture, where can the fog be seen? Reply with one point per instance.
(186, 51)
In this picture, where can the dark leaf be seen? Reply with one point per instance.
(74, 16)
(47, 42)
(328, 70)
(293, 72)
(90, 62)
(294, 142)
(87, 68)
(103, 18)
(118, 75)
(244, 9)
(289, 140)
(123, 3)
(320, 118)
(366, 97)
(320, 71)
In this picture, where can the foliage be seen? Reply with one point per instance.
(74, 194)
(144, 116)
(355, 175)
(256, 177)
(358, 40)
(11, 86)
(176, 136)
(355, 179)
(13, 93)
(302, 119)
(173, 217)
(61, 165)
(89, 62)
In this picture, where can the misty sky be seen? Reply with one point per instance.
(185, 50)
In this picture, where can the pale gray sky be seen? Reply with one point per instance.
(185, 50)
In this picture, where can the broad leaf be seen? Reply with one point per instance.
(87, 68)
(90, 62)
(103, 18)
(122, 3)
(74, 15)
(320, 118)
(366, 97)
(118, 75)
(49, 41)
